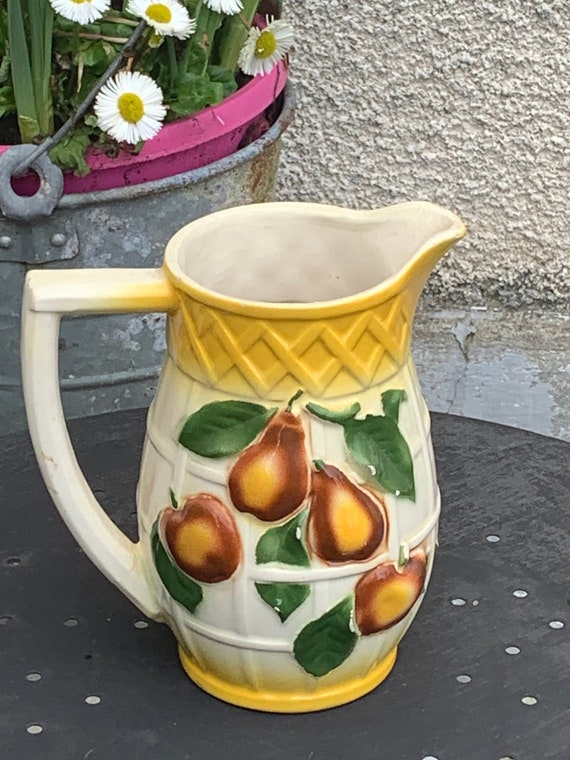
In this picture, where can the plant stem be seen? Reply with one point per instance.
(41, 39)
(4, 69)
(293, 399)
(183, 65)
(87, 36)
(213, 23)
(173, 62)
(22, 72)
(235, 34)
(121, 20)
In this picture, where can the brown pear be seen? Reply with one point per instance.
(203, 538)
(346, 523)
(271, 477)
(386, 594)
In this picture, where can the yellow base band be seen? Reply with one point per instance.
(292, 701)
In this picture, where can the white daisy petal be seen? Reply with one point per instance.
(229, 7)
(167, 17)
(129, 107)
(264, 48)
(81, 11)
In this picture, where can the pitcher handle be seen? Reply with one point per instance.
(47, 296)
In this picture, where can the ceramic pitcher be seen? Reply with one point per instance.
(287, 500)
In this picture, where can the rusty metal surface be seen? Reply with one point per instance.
(112, 362)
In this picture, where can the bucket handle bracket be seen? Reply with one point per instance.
(18, 207)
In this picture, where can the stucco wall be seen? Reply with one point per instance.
(462, 102)
(465, 103)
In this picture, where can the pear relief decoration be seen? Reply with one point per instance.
(203, 538)
(198, 542)
(346, 523)
(385, 595)
(314, 512)
(270, 479)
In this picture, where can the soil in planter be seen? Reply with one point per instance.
(9, 134)
(263, 122)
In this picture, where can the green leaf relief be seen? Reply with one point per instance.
(179, 585)
(332, 416)
(284, 598)
(325, 643)
(377, 445)
(284, 543)
(391, 401)
(173, 499)
(224, 428)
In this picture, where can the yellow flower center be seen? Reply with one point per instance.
(266, 44)
(78, 2)
(159, 13)
(131, 107)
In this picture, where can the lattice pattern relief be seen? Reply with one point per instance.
(271, 357)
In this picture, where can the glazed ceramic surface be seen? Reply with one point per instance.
(287, 501)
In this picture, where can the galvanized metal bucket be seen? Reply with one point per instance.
(112, 362)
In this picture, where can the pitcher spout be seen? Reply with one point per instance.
(412, 237)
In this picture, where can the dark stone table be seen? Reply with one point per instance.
(483, 674)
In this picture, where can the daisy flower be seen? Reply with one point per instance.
(167, 17)
(81, 11)
(129, 107)
(229, 7)
(265, 47)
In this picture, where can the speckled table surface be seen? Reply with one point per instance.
(483, 674)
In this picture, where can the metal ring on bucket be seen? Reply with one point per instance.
(14, 206)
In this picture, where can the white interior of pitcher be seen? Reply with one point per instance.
(295, 252)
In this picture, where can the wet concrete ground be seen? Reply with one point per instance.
(501, 366)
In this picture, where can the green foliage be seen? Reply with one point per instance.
(180, 586)
(284, 598)
(325, 643)
(376, 443)
(234, 34)
(195, 92)
(329, 415)
(7, 102)
(391, 401)
(3, 29)
(69, 154)
(30, 24)
(48, 65)
(223, 76)
(284, 543)
(224, 428)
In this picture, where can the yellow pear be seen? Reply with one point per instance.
(386, 594)
(346, 523)
(270, 480)
(203, 538)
